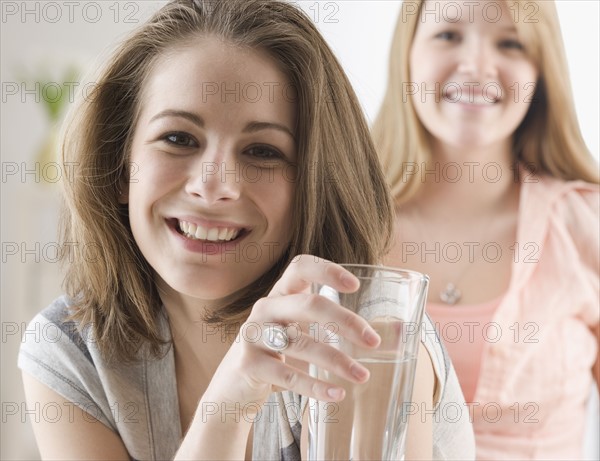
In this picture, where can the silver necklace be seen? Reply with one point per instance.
(451, 294)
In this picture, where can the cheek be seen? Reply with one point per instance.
(524, 75)
(415, 66)
(426, 65)
(152, 171)
(277, 202)
(529, 69)
(520, 87)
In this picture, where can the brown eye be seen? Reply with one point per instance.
(264, 152)
(448, 36)
(511, 45)
(180, 139)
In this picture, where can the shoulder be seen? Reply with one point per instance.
(572, 208)
(575, 197)
(580, 201)
(576, 208)
(52, 331)
(571, 239)
(447, 387)
(453, 436)
(439, 357)
(59, 353)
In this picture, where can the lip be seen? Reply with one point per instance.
(474, 107)
(209, 223)
(470, 98)
(450, 98)
(206, 247)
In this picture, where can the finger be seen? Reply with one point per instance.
(309, 349)
(318, 312)
(306, 269)
(289, 378)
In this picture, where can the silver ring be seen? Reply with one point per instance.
(275, 338)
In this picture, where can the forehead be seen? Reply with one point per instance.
(206, 70)
(487, 13)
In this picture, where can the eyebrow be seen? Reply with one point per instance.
(251, 127)
(195, 119)
(461, 20)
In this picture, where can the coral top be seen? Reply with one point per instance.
(528, 386)
(464, 329)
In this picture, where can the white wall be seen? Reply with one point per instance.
(42, 42)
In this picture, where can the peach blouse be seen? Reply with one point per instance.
(529, 379)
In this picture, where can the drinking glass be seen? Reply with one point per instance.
(370, 423)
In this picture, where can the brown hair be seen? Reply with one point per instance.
(547, 141)
(342, 211)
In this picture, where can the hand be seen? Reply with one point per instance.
(250, 371)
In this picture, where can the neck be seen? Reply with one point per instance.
(474, 181)
(187, 315)
(196, 342)
(184, 308)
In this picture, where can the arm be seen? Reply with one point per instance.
(74, 434)
(221, 437)
(246, 376)
(582, 215)
(77, 435)
(596, 367)
(419, 438)
(249, 372)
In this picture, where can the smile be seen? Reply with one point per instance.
(213, 234)
(467, 97)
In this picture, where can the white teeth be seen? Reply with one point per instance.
(214, 234)
(477, 100)
(200, 233)
(467, 99)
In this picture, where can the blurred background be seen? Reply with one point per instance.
(47, 46)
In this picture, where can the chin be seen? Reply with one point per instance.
(468, 141)
(206, 286)
(213, 291)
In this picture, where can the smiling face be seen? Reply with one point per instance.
(211, 189)
(470, 53)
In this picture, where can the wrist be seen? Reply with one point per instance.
(225, 413)
(218, 431)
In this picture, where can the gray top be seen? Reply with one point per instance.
(139, 401)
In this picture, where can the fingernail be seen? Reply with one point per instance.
(359, 372)
(371, 337)
(336, 393)
(348, 280)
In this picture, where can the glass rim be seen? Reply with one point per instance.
(396, 270)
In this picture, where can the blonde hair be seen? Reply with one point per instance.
(343, 209)
(548, 140)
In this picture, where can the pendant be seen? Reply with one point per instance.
(450, 295)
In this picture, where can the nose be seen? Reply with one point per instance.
(215, 177)
(477, 59)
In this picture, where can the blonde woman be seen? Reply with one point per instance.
(497, 199)
(202, 159)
